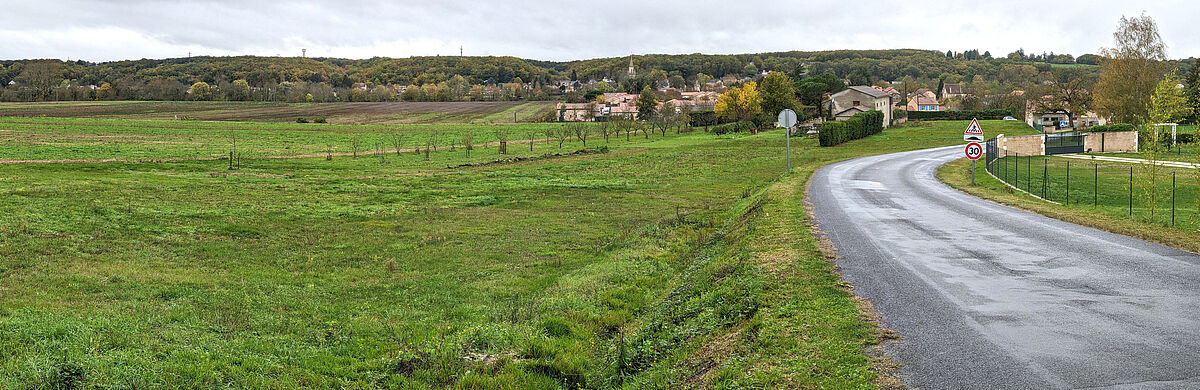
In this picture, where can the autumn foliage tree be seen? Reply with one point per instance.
(200, 91)
(740, 103)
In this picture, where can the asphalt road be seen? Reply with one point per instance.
(986, 296)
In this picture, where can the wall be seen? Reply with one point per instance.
(1026, 145)
(1117, 141)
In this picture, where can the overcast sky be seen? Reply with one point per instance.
(564, 30)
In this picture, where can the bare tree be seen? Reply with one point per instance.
(581, 132)
(467, 143)
(502, 136)
(355, 145)
(563, 133)
(397, 141)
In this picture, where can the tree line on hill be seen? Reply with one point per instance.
(294, 79)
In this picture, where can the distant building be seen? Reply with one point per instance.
(922, 103)
(953, 91)
(861, 98)
(579, 112)
(926, 92)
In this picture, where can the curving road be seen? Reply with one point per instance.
(986, 296)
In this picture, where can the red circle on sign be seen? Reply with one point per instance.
(974, 150)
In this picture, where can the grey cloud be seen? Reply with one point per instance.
(564, 30)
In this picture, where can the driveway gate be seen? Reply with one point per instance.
(1064, 143)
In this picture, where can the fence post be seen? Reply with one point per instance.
(1045, 175)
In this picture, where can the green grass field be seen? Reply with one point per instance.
(669, 261)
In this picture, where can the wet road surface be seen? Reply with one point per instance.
(986, 296)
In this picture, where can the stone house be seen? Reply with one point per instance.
(953, 91)
(861, 98)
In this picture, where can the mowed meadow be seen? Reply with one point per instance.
(654, 261)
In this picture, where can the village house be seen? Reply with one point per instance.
(922, 103)
(926, 92)
(953, 91)
(579, 112)
(892, 91)
(861, 98)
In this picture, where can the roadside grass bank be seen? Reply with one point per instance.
(1103, 205)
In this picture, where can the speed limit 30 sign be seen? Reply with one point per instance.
(974, 151)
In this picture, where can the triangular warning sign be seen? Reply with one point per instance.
(974, 128)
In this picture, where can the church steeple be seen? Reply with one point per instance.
(632, 72)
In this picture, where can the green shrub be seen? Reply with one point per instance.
(301, 120)
(319, 120)
(1114, 127)
(959, 115)
(703, 118)
(858, 126)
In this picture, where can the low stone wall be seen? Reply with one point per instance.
(1111, 142)
(1025, 145)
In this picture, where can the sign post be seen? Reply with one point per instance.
(974, 151)
(974, 133)
(787, 119)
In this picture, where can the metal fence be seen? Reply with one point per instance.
(1113, 185)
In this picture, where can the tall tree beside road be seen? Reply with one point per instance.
(1071, 92)
(1130, 70)
(777, 93)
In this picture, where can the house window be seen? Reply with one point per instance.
(856, 102)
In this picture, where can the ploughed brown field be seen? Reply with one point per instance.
(346, 113)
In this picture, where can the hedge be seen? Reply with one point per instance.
(703, 118)
(1114, 127)
(732, 127)
(958, 115)
(858, 126)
